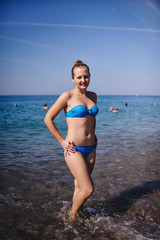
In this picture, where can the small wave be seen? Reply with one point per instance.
(95, 224)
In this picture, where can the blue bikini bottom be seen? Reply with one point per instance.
(85, 150)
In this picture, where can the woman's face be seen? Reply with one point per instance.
(81, 77)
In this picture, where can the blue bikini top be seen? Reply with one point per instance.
(81, 111)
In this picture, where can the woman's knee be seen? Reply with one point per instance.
(87, 191)
(76, 184)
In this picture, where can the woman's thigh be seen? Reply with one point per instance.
(79, 169)
(90, 160)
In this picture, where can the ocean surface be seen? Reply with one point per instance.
(36, 186)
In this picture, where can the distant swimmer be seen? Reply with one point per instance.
(116, 110)
(15, 105)
(154, 104)
(45, 107)
(126, 104)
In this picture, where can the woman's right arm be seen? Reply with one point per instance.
(50, 116)
(52, 113)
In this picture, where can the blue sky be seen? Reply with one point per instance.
(118, 39)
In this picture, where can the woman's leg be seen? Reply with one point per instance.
(83, 183)
(76, 187)
(90, 159)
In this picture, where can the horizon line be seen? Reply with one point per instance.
(83, 26)
(102, 94)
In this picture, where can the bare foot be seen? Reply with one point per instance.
(72, 217)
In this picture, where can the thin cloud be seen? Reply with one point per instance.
(83, 26)
(26, 42)
(153, 6)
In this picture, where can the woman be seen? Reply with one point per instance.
(80, 143)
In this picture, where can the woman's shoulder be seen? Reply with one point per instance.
(66, 95)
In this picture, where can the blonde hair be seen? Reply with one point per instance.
(79, 63)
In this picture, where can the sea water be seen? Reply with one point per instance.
(37, 187)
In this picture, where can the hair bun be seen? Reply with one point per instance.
(78, 62)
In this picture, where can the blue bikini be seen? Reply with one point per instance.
(85, 150)
(81, 111)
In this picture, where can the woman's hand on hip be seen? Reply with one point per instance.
(68, 146)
